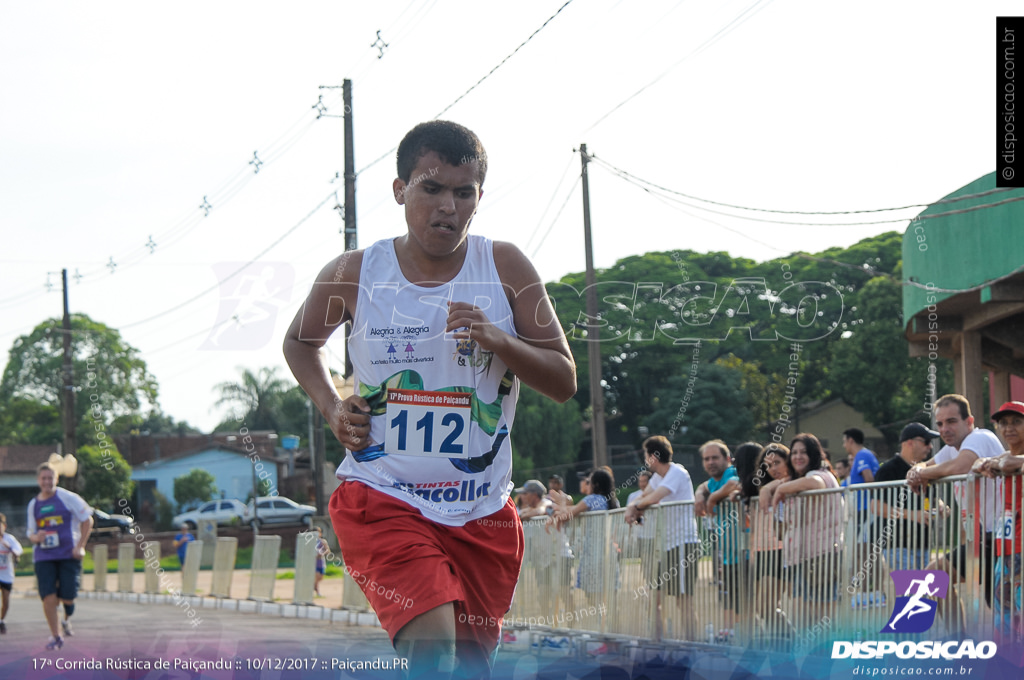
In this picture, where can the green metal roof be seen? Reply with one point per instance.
(961, 250)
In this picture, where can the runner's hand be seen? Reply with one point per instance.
(469, 322)
(350, 423)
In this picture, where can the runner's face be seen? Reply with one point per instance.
(440, 200)
(1012, 430)
(951, 426)
(798, 456)
(46, 481)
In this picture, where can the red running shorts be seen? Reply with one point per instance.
(407, 564)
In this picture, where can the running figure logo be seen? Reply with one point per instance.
(913, 613)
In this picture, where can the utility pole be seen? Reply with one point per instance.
(68, 375)
(351, 241)
(597, 428)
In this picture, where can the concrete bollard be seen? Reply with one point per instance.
(265, 553)
(223, 566)
(190, 570)
(99, 572)
(125, 567)
(152, 564)
(305, 567)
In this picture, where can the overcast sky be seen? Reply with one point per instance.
(118, 118)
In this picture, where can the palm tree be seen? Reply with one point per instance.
(257, 399)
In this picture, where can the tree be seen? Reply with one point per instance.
(545, 434)
(716, 407)
(25, 421)
(872, 369)
(198, 486)
(157, 422)
(110, 378)
(103, 476)
(257, 399)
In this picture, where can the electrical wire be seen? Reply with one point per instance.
(572, 190)
(741, 18)
(956, 199)
(237, 271)
(475, 85)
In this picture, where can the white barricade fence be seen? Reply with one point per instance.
(815, 568)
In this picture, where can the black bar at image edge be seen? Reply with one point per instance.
(1009, 153)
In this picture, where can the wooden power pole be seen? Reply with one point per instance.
(597, 428)
(68, 376)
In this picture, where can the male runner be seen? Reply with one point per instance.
(444, 326)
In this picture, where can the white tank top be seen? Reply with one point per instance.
(441, 408)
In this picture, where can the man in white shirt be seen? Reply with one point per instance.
(965, 444)
(671, 482)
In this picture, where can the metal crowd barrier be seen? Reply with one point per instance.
(813, 570)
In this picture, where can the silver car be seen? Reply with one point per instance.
(278, 510)
(225, 511)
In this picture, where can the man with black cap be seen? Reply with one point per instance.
(904, 519)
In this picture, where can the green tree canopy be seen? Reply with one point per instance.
(25, 421)
(545, 434)
(110, 378)
(104, 476)
(198, 486)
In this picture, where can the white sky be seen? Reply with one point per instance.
(117, 118)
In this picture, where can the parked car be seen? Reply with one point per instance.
(224, 512)
(278, 510)
(104, 524)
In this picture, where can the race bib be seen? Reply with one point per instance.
(3, 560)
(50, 540)
(434, 424)
(1006, 527)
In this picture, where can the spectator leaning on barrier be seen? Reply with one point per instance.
(813, 539)
(671, 482)
(534, 502)
(590, 571)
(965, 444)
(765, 544)
(643, 478)
(863, 466)
(1009, 420)
(59, 524)
(556, 492)
(907, 545)
(717, 462)
(842, 470)
(10, 551)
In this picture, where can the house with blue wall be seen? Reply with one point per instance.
(232, 469)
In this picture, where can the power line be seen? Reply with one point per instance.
(551, 226)
(956, 199)
(237, 271)
(721, 33)
(475, 85)
(983, 206)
